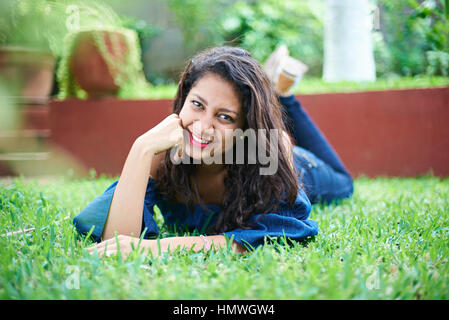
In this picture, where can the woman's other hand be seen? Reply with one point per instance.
(124, 244)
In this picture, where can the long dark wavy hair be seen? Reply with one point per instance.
(247, 192)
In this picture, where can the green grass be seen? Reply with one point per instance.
(314, 85)
(390, 241)
(309, 86)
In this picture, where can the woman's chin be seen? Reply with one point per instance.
(200, 154)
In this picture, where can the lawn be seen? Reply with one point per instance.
(307, 85)
(390, 241)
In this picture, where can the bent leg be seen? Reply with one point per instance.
(325, 173)
(320, 181)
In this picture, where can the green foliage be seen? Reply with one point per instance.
(414, 38)
(387, 242)
(36, 24)
(198, 21)
(143, 29)
(436, 13)
(438, 62)
(129, 72)
(43, 24)
(260, 26)
(95, 17)
(437, 34)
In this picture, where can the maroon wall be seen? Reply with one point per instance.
(392, 133)
(101, 132)
(378, 133)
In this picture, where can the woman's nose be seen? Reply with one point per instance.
(204, 127)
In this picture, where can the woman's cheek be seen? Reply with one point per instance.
(183, 120)
(228, 142)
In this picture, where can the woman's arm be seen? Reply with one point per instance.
(127, 244)
(125, 213)
(126, 210)
(198, 243)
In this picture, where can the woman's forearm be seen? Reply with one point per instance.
(125, 212)
(195, 243)
(155, 247)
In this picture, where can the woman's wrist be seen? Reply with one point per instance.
(155, 247)
(143, 148)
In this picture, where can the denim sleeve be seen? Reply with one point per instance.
(289, 222)
(96, 213)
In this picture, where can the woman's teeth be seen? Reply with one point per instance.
(199, 140)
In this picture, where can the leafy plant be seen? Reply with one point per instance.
(34, 24)
(260, 26)
(129, 72)
(143, 29)
(194, 19)
(96, 17)
(436, 14)
(413, 37)
(43, 24)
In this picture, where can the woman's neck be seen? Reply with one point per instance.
(208, 180)
(209, 169)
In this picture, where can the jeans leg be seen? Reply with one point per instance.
(320, 181)
(324, 172)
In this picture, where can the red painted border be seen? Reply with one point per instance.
(376, 133)
(391, 133)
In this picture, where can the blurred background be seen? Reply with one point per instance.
(347, 45)
(409, 37)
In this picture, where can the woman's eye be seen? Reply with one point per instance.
(223, 116)
(196, 103)
(226, 117)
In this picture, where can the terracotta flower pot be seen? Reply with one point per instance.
(31, 71)
(91, 69)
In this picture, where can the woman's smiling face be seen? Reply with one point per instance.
(211, 112)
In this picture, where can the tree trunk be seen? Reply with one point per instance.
(348, 48)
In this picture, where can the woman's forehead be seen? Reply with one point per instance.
(214, 91)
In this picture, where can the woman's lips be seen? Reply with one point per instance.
(197, 143)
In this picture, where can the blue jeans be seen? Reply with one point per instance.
(325, 177)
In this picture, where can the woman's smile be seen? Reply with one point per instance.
(196, 141)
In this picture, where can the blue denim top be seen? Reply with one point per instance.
(289, 221)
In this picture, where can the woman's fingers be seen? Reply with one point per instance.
(165, 135)
(103, 243)
(125, 245)
(107, 245)
(101, 249)
(179, 145)
(105, 251)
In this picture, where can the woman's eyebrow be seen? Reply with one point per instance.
(205, 102)
(201, 98)
(224, 109)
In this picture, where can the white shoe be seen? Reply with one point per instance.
(293, 67)
(291, 72)
(284, 71)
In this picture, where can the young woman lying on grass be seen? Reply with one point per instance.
(233, 202)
